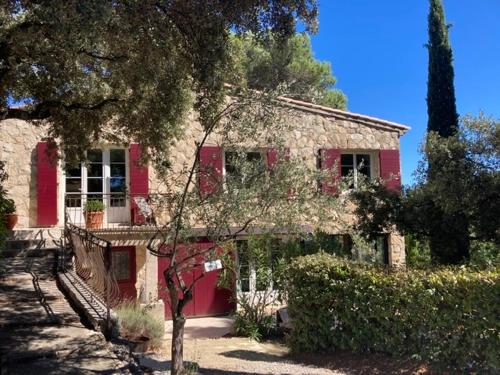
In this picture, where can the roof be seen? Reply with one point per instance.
(344, 115)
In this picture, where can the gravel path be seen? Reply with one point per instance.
(235, 356)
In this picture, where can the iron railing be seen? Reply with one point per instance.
(92, 262)
(119, 210)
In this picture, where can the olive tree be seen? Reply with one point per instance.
(255, 197)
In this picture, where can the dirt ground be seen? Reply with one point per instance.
(235, 356)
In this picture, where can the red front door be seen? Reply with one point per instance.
(207, 298)
(123, 264)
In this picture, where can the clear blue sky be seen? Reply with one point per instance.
(377, 53)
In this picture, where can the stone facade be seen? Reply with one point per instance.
(18, 151)
(310, 129)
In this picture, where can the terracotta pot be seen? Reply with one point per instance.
(93, 220)
(10, 221)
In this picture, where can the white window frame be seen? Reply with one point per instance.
(261, 151)
(106, 163)
(355, 163)
(252, 279)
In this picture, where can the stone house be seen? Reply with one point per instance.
(45, 193)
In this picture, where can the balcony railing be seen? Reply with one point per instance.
(119, 210)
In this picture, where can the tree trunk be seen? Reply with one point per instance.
(177, 367)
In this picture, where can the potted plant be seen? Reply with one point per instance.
(94, 213)
(8, 212)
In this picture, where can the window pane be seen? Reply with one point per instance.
(117, 156)
(117, 200)
(94, 185)
(345, 171)
(117, 184)
(254, 157)
(363, 164)
(74, 172)
(94, 197)
(382, 249)
(73, 185)
(120, 263)
(95, 155)
(73, 200)
(117, 170)
(243, 266)
(347, 160)
(94, 170)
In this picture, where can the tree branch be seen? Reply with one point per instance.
(45, 109)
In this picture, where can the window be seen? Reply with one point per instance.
(243, 167)
(255, 273)
(120, 264)
(243, 266)
(381, 248)
(102, 177)
(355, 165)
(118, 177)
(95, 174)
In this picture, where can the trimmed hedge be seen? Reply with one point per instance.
(451, 315)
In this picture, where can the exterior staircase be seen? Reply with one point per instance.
(32, 242)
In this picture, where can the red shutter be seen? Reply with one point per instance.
(139, 181)
(390, 170)
(330, 158)
(272, 157)
(46, 185)
(210, 172)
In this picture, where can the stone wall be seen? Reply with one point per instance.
(18, 150)
(147, 275)
(307, 133)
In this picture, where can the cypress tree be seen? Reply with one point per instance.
(441, 106)
(449, 237)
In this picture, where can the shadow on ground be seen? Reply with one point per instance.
(349, 363)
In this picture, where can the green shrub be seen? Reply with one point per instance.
(446, 315)
(3, 198)
(136, 321)
(7, 206)
(94, 205)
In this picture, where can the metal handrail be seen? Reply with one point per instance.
(121, 210)
(93, 264)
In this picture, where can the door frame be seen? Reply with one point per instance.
(106, 165)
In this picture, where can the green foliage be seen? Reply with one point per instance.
(271, 61)
(485, 254)
(447, 315)
(254, 330)
(7, 206)
(417, 252)
(441, 106)
(3, 198)
(135, 66)
(136, 322)
(94, 205)
(458, 205)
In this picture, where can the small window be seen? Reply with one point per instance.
(256, 275)
(381, 247)
(355, 165)
(95, 176)
(73, 186)
(120, 264)
(244, 168)
(243, 266)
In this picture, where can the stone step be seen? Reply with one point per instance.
(13, 249)
(15, 244)
(36, 234)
